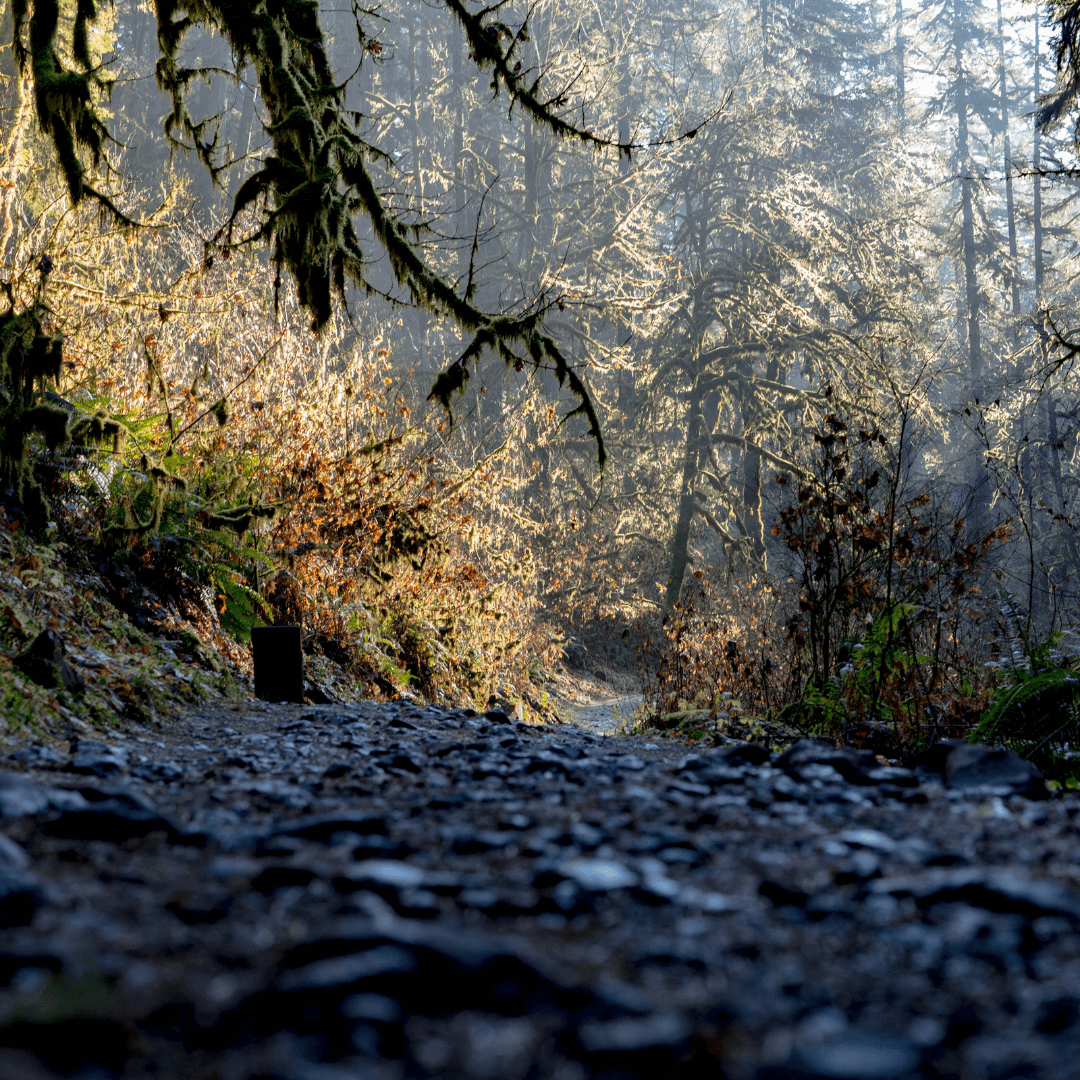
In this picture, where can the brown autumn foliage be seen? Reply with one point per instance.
(260, 474)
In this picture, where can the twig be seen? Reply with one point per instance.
(206, 412)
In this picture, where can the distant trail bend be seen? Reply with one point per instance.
(605, 716)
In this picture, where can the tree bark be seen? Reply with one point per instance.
(901, 78)
(417, 89)
(1010, 206)
(680, 544)
(979, 501)
(16, 159)
(750, 482)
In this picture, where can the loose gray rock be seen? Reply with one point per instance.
(992, 770)
(20, 898)
(90, 758)
(598, 875)
(850, 1056)
(37, 755)
(21, 798)
(933, 758)
(114, 815)
(853, 765)
(12, 855)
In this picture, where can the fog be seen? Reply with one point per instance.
(818, 245)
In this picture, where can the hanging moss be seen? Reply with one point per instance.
(315, 180)
(30, 359)
(66, 100)
(97, 428)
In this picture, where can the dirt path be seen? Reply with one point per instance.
(601, 704)
(606, 716)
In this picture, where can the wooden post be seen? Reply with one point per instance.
(279, 663)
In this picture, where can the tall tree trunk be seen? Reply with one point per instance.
(458, 76)
(1043, 344)
(16, 159)
(1052, 462)
(1036, 163)
(531, 222)
(460, 197)
(680, 544)
(240, 142)
(978, 480)
(1010, 206)
(750, 482)
(418, 89)
(625, 86)
(901, 78)
(766, 55)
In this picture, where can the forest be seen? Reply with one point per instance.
(729, 347)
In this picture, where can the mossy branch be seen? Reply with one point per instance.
(316, 180)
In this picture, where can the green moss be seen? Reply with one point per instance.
(16, 706)
(65, 997)
(316, 178)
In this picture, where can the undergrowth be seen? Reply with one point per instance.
(246, 473)
(884, 624)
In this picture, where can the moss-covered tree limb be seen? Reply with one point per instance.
(316, 181)
(30, 358)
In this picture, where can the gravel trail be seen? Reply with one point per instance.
(389, 892)
(607, 715)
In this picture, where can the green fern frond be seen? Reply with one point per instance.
(1038, 716)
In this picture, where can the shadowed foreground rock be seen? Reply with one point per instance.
(291, 893)
(43, 662)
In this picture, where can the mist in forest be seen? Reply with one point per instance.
(819, 285)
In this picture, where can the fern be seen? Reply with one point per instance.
(1037, 715)
(241, 607)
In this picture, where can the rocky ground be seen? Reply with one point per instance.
(382, 891)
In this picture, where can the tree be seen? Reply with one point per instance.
(321, 176)
(791, 240)
(1056, 106)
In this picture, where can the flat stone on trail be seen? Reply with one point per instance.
(632, 1034)
(351, 970)
(868, 838)
(399, 875)
(12, 855)
(92, 758)
(113, 814)
(850, 1056)
(321, 827)
(21, 798)
(599, 875)
(993, 889)
(36, 755)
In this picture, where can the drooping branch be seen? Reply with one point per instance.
(316, 180)
(1063, 99)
